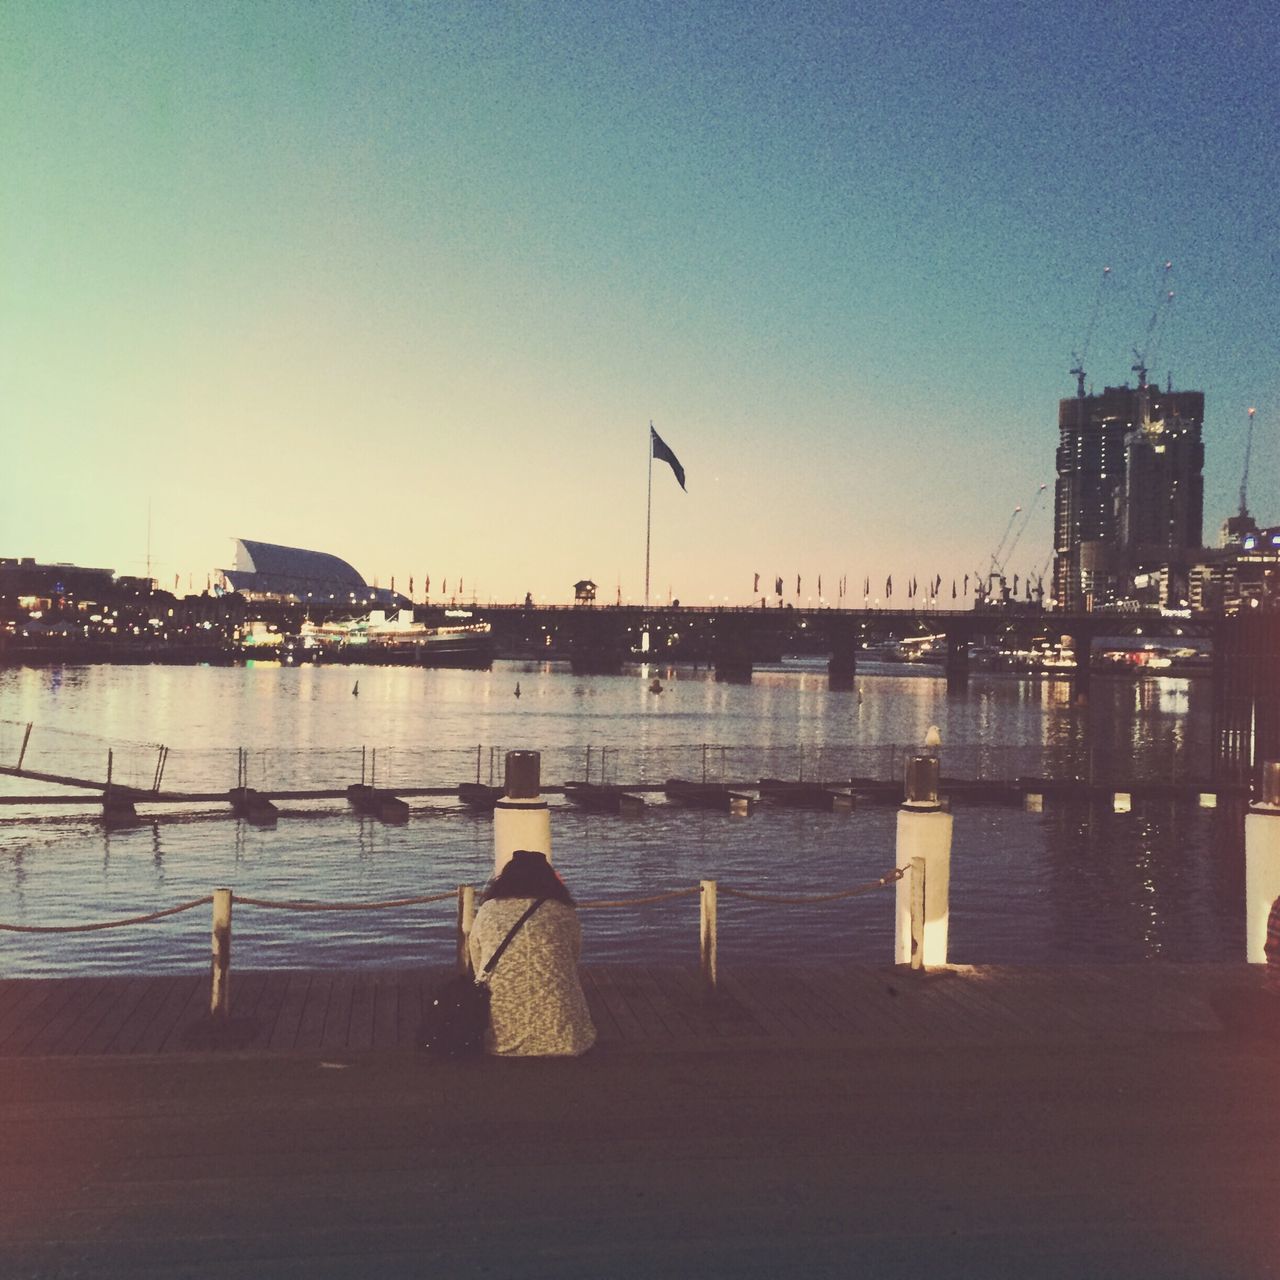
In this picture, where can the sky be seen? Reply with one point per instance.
(408, 281)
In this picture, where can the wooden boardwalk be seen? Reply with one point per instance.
(637, 1007)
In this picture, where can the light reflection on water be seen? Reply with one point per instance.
(1074, 884)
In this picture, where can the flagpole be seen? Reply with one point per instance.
(648, 517)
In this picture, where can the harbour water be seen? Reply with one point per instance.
(1077, 883)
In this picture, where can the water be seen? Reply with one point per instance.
(1076, 884)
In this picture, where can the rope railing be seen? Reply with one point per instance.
(798, 900)
(386, 904)
(108, 924)
(606, 903)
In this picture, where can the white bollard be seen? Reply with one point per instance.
(1122, 802)
(521, 819)
(1261, 860)
(1033, 802)
(1208, 799)
(924, 831)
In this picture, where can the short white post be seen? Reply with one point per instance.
(707, 934)
(220, 991)
(1262, 860)
(924, 832)
(1208, 799)
(466, 918)
(1033, 802)
(1121, 802)
(521, 819)
(917, 912)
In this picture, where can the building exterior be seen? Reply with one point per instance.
(1242, 573)
(1129, 499)
(266, 571)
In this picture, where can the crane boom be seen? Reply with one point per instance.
(1244, 478)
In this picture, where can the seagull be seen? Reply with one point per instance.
(933, 738)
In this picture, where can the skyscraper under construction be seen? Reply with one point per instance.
(1129, 500)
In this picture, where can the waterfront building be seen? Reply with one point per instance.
(269, 572)
(1129, 498)
(1242, 573)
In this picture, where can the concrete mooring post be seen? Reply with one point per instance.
(1261, 860)
(521, 819)
(924, 833)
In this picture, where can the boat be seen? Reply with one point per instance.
(377, 802)
(806, 795)
(708, 795)
(597, 797)
(253, 807)
(476, 795)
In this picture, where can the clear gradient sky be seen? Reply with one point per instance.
(406, 282)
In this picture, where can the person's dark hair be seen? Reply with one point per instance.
(527, 875)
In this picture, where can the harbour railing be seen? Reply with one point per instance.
(57, 755)
(708, 893)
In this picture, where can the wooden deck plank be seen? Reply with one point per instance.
(39, 1002)
(863, 1009)
(176, 999)
(135, 1025)
(958, 1002)
(724, 1016)
(337, 1018)
(413, 993)
(360, 1022)
(680, 1017)
(284, 1033)
(629, 1028)
(386, 1012)
(121, 998)
(83, 995)
(192, 1013)
(741, 985)
(632, 991)
(606, 1024)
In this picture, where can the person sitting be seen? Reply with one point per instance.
(538, 1008)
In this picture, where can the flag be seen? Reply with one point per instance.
(427, 587)
(888, 585)
(411, 585)
(966, 584)
(755, 590)
(662, 450)
(1015, 584)
(777, 586)
(393, 584)
(797, 586)
(866, 586)
(819, 586)
(953, 588)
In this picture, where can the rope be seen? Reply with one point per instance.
(639, 902)
(341, 906)
(106, 924)
(804, 900)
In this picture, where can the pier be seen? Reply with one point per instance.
(817, 1120)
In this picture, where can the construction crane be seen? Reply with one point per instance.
(1000, 557)
(1244, 478)
(1151, 340)
(1083, 354)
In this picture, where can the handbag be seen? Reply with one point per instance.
(456, 1020)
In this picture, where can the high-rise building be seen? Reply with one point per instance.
(1129, 499)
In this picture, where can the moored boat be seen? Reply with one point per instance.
(806, 795)
(600, 798)
(476, 795)
(708, 795)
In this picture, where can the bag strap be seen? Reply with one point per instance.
(515, 928)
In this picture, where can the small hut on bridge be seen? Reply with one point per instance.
(584, 592)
